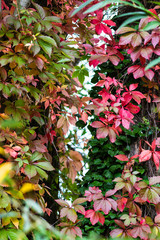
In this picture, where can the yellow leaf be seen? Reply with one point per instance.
(15, 222)
(27, 187)
(5, 168)
(2, 152)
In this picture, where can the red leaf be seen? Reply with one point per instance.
(120, 223)
(145, 155)
(122, 157)
(132, 108)
(156, 159)
(94, 216)
(122, 203)
(109, 22)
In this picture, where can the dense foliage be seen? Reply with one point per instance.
(39, 101)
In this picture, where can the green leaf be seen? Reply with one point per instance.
(53, 19)
(131, 19)
(20, 79)
(37, 27)
(36, 156)
(130, 13)
(47, 48)
(4, 60)
(6, 90)
(17, 24)
(47, 25)
(48, 40)
(12, 124)
(64, 60)
(81, 7)
(3, 234)
(158, 3)
(15, 234)
(151, 25)
(30, 171)
(39, 120)
(40, 10)
(20, 61)
(41, 172)
(152, 63)
(96, 7)
(45, 165)
(4, 199)
(104, 3)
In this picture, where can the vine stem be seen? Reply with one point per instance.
(18, 12)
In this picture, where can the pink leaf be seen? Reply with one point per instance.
(62, 203)
(122, 157)
(116, 232)
(113, 203)
(149, 74)
(103, 205)
(133, 86)
(110, 193)
(102, 132)
(80, 209)
(72, 215)
(112, 135)
(79, 201)
(154, 180)
(97, 124)
(145, 155)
